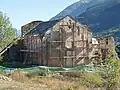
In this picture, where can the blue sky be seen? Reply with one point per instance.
(24, 11)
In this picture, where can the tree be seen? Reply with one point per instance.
(7, 33)
(110, 72)
(112, 77)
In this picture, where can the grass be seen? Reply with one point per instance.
(71, 80)
(66, 81)
(86, 78)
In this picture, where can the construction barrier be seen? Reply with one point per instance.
(87, 68)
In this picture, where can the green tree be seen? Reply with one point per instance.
(112, 77)
(110, 72)
(7, 33)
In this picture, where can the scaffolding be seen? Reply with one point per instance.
(63, 56)
(31, 50)
(54, 50)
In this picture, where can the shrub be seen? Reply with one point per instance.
(86, 78)
(70, 88)
(38, 73)
(93, 79)
(110, 72)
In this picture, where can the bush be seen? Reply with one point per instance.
(70, 88)
(86, 78)
(38, 73)
(110, 72)
(93, 79)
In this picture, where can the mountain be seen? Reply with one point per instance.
(95, 13)
(77, 8)
(101, 16)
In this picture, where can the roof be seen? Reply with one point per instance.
(43, 27)
(37, 21)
